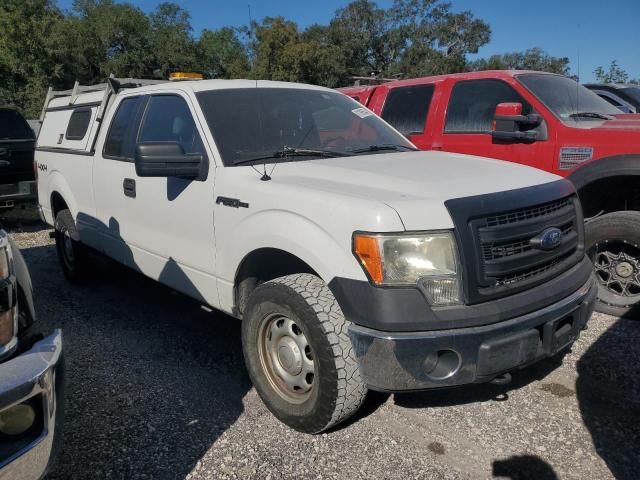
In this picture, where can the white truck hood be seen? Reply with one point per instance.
(414, 184)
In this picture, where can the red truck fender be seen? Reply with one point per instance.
(608, 167)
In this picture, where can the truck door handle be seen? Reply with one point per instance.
(129, 187)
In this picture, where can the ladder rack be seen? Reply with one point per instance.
(113, 85)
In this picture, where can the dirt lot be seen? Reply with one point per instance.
(156, 388)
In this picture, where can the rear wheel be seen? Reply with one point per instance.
(299, 355)
(71, 253)
(613, 244)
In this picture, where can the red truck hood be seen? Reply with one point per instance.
(624, 122)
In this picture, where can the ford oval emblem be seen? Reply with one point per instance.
(548, 239)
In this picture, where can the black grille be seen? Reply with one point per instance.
(494, 250)
(527, 274)
(528, 213)
(498, 258)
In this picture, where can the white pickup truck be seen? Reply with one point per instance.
(354, 261)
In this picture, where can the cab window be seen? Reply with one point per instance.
(119, 145)
(406, 108)
(473, 104)
(167, 118)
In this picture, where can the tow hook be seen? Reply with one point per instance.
(503, 379)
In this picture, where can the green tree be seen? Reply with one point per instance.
(412, 37)
(31, 55)
(531, 59)
(615, 74)
(171, 40)
(282, 53)
(105, 37)
(222, 54)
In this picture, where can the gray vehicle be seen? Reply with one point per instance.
(17, 174)
(31, 375)
(624, 96)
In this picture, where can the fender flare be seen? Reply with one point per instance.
(57, 183)
(292, 241)
(605, 167)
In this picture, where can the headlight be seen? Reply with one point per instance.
(425, 259)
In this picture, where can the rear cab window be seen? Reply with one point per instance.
(406, 108)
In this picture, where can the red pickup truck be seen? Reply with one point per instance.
(546, 121)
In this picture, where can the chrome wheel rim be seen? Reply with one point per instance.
(617, 268)
(286, 358)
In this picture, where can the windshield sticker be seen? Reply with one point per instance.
(362, 112)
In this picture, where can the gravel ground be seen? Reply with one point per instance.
(156, 388)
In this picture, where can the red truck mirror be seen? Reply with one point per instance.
(509, 124)
(508, 109)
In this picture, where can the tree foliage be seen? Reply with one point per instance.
(614, 74)
(30, 51)
(532, 59)
(41, 45)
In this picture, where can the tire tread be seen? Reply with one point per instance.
(351, 388)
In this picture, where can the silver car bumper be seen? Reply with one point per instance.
(36, 376)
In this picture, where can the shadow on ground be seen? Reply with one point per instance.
(608, 392)
(152, 379)
(524, 467)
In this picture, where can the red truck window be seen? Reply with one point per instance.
(406, 108)
(473, 104)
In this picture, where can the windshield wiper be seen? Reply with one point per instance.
(383, 146)
(288, 152)
(601, 116)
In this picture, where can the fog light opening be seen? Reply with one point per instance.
(17, 419)
(442, 364)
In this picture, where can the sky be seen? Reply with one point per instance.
(590, 32)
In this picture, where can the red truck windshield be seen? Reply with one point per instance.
(567, 99)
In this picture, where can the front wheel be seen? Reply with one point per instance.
(298, 353)
(613, 244)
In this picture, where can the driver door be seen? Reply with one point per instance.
(169, 220)
(468, 118)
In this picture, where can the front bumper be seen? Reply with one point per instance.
(404, 361)
(35, 376)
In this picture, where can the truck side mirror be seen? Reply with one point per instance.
(166, 159)
(510, 125)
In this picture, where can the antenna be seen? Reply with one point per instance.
(251, 31)
(578, 81)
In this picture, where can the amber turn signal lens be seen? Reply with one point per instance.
(367, 250)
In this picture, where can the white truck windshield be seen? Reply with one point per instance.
(272, 123)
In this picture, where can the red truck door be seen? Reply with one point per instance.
(407, 108)
(466, 123)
